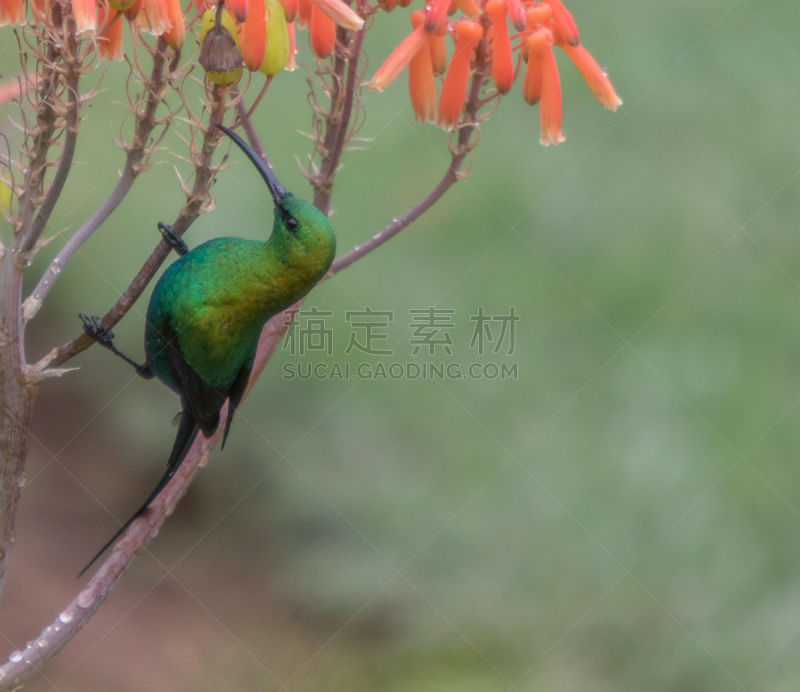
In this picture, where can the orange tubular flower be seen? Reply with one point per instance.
(323, 33)
(550, 106)
(12, 12)
(470, 8)
(516, 13)
(289, 9)
(532, 81)
(421, 83)
(454, 88)
(85, 12)
(253, 35)
(565, 30)
(304, 13)
(109, 41)
(37, 10)
(177, 30)
(438, 53)
(597, 80)
(397, 61)
(340, 13)
(537, 14)
(502, 59)
(133, 11)
(436, 14)
(156, 16)
(238, 8)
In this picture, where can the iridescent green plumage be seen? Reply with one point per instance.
(207, 311)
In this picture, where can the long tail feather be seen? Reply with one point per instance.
(187, 432)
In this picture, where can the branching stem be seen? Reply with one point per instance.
(155, 89)
(337, 122)
(72, 119)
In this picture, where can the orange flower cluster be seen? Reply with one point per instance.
(258, 33)
(541, 24)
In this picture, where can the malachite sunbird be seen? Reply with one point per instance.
(207, 311)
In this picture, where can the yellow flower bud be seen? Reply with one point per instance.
(121, 5)
(5, 198)
(277, 56)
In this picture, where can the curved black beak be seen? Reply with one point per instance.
(277, 190)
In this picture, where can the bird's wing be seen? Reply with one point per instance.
(235, 394)
(201, 399)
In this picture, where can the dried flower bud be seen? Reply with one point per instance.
(219, 52)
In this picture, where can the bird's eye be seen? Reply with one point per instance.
(292, 224)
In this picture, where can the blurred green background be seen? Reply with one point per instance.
(623, 516)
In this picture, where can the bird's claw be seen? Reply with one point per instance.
(93, 326)
(173, 239)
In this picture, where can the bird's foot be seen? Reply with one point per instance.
(173, 239)
(93, 326)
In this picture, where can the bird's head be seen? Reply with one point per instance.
(302, 229)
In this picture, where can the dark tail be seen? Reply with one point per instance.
(187, 432)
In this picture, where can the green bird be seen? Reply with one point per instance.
(207, 311)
